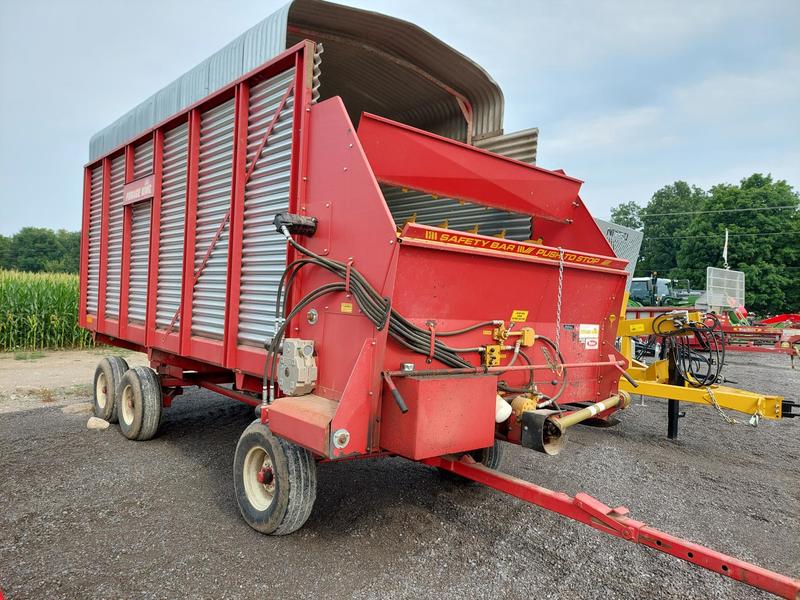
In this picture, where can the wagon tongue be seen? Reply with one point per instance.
(615, 521)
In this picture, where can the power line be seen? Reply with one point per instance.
(721, 210)
(781, 267)
(680, 237)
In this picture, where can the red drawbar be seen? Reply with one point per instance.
(615, 521)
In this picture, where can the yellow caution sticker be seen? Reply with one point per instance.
(347, 307)
(636, 328)
(519, 316)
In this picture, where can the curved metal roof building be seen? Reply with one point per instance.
(375, 62)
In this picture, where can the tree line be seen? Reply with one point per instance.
(684, 232)
(37, 249)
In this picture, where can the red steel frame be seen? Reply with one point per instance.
(313, 184)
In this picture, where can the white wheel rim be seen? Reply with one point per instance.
(259, 495)
(101, 391)
(126, 404)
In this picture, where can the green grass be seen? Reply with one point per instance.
(39, 311)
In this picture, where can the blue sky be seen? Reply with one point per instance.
(629, 96)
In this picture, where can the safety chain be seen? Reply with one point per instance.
(715, 404)
(558, 305)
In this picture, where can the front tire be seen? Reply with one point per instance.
(107, 376)
(275, 481)
(140, 400)
(490, 457)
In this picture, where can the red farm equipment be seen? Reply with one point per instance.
(247, 244)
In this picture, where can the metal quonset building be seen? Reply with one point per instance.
(343, 239)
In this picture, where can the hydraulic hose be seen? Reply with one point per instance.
(700, 368)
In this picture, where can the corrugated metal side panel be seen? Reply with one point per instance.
(140, 257)
(173, 225)
(213, 202)
(115, 216)
(266, 194)
(420, 207)
(254, 47)
(95, 229)
(143, 159)
(520, 145)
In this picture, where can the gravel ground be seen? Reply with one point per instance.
(88, 514)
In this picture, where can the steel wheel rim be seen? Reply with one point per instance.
(126, 404)
(101, 391)
(259, 495)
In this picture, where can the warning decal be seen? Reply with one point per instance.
(519, 316)
(412, 231)
(589, 335)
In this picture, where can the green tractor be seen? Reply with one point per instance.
(661, 291)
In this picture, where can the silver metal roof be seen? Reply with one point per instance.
(376, 63)
(520, 145)
(625, 242)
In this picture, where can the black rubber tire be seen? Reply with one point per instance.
(490, 457)
(295, 481)
(111, 369)
(145, 403)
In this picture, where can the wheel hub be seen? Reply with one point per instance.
(265, 476)
(101, 391)
(127, 411)
(259, 478)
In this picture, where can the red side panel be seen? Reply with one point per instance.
(354, 224)
(454, 286)
(409, 157)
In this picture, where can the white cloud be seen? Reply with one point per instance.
(780, 165)
(613, 132)
(731, 95)
(580, 33)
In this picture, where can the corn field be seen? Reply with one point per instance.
(40, 311)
